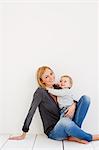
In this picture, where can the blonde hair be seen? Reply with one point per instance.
(40, 72)
(66, 76)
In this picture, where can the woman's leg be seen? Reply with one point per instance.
(81, 110)
(65, 128)
(58, 132)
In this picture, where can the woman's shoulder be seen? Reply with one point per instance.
(40, 90)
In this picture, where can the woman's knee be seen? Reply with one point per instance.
(86, 99)
(67, 123)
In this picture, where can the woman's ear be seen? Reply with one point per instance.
(42, 81)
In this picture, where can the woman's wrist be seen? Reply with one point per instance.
(74, 105)
(24, 134)
(75, 102)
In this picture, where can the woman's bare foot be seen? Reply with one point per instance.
(95, 137)
(74, 139)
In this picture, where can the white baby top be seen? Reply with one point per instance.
(65, 96)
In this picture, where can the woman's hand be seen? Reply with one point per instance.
(70, 111)
(20, 137)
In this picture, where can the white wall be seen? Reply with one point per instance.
(98, 50)
(62, 35)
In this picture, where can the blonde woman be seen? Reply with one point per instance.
(54, 127)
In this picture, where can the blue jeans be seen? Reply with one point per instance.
(66, 127)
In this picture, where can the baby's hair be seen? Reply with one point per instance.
(66, 76)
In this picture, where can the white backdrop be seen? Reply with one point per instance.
(61, 35)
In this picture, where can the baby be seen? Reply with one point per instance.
(65, 97)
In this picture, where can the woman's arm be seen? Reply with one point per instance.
(58, 92)
(35, 102)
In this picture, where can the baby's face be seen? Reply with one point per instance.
(65, 82)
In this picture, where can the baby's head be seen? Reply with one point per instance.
(66, 82)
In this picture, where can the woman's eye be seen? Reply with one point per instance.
(51, 73)
(46, 77)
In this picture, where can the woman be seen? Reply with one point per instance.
(54, 127)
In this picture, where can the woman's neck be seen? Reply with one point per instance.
(49, 86)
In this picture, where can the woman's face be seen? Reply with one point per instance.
(48, 78)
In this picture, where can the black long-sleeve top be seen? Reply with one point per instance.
(48, 108)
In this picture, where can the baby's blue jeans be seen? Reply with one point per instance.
(66, 127)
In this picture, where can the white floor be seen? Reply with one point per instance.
(41, 142)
